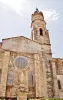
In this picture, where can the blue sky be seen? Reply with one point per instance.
(15, 20)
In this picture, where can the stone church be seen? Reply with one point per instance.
(27, 68)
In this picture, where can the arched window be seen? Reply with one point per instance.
(10, 78)
(59, 84)
(41, 32)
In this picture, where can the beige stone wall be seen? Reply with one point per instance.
(60, 77)
(4, 66)
(56, 91)
(59, 66)
(1, 63)
(21, 44)
(37, 64)
(38, 79)
(58, 69)
(16, 72)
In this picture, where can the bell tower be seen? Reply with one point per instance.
(39, 32)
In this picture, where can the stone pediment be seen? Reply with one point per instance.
(21, 44)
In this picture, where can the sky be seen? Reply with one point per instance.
(15, 20)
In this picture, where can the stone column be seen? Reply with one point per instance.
(49, 75)
(4, 72)
(40, 77)
(37, 75)
(56, 92)
(45, 94)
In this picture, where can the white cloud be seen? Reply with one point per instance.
(18, 5)
(50, 15)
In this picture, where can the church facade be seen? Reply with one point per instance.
(27, 68)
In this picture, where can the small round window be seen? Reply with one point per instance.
(21, 62)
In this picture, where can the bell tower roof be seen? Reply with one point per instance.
(38, 12)
(37, 15)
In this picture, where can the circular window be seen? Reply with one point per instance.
(21, 62)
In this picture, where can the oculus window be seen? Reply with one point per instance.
(21, 62)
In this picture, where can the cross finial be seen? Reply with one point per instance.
(37, 9)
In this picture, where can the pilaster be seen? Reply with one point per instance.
(4, 72)
(56, 92)
(40, 77)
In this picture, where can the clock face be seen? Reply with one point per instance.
(21, 62)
